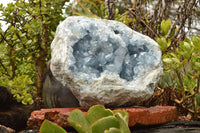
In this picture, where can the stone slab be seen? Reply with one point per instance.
(137, 115)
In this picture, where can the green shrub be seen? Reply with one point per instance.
(25, 44)
(183, 72)
(21, 87)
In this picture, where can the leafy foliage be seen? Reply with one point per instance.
(25, 44)
(98, 120)
(165, 26)
(97, 9)
(21, 88)
(89, 8)
(184, 65)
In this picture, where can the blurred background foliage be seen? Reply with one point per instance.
(25, 45)
(174, 24)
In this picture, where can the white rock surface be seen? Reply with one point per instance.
(105, 62)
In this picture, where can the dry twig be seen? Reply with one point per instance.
(110, 5)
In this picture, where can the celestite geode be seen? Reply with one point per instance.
(105, 62)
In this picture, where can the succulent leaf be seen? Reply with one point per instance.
(112, 130)
(78, 121)
(97, 112)
(50, 127)
(104, 124)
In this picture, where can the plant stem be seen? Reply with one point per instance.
(195, 107)
(198, 83)
(181, 85)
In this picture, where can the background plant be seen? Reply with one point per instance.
(25, 44)
(181, 67)
(185, 64)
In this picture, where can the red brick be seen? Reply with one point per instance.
(151, 116)
(137, 115)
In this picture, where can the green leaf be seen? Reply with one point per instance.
(96, 112)
(29, 42)
(123, 114)
(163, 43)
(165, 26)
(162, 25)
(123, 123)
(49, 127)
(167, 60)
(187, 40)
(104, 124)
(196, 42)
(186, 49)
(197, 64)
(22, 35)
(187, 45)
(113, 130)
(78, 121)
(195, 61)
(176, 60)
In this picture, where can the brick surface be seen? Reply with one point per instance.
(151, 116)
(137, 115)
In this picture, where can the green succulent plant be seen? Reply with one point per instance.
(99, 120)
(50, 127)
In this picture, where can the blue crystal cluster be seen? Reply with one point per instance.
(112, 52)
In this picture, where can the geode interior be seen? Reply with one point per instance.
(94, 56)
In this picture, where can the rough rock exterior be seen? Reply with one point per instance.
(104, 62)
(4, 129)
